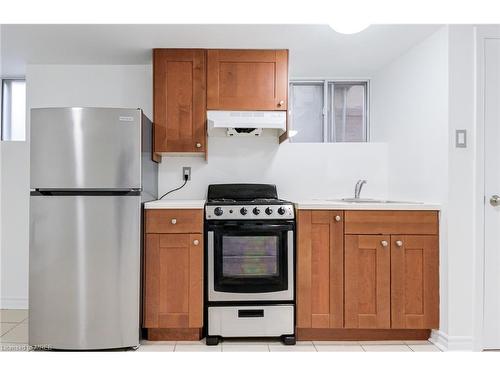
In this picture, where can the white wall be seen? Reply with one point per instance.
(51, 86)
(300, 171)
(13, 223)
(90, 85)
(410, 111)
(461, 188)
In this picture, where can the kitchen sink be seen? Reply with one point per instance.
(369, 200)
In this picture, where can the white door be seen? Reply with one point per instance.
(491, 334)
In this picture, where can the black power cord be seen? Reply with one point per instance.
(179, 188)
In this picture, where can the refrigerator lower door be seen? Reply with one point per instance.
(84, 271)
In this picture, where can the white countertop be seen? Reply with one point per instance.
(177, 204)
(319, 204)
(311, 204)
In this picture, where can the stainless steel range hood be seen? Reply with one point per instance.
(246, 123)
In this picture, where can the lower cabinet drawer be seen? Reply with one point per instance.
(252, 321)
(174, 221)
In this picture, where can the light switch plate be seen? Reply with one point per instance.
(461, 138)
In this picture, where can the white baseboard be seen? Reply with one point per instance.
(14, 303)
(451, 343)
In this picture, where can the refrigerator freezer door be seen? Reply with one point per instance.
(84, 271)
(85, 148)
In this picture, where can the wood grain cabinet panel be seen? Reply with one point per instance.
(247, 79)
(367, 281)
(414, 282)
(320, 269)
(174, 221)
(391, 222)
(179, 113)
(173, 296)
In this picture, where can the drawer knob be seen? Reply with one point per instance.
(337, 218)
(196, 242)
(198, 145)
(174, 221)
(384, 243)
(281, 102)
(399, 243)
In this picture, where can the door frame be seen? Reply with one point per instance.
(481, 34)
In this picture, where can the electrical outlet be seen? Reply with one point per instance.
(186, 171)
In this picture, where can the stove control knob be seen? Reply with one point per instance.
(256, 211)
(269, 210)
(281, 210)
(243, 211)
(218, 211)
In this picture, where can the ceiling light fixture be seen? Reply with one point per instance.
(348, 27)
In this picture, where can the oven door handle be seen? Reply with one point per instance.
(253, 227)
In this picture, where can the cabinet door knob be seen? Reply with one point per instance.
(281, 102)
(196, 242)
(198, 145)
(337, 218)
(174, 221)
(384, 243)
(399, 243)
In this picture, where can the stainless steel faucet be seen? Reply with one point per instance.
(358, 187)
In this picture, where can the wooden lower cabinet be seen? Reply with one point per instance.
(414, 282)
(320, 269)
(366, 286)
(367, 281)
(173, 283)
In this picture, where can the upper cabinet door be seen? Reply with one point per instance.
(179, 100)
(247, 79)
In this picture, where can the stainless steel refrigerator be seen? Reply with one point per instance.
(91, 170)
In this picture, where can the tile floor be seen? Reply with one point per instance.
(14, 337)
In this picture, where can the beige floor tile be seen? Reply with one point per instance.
(197, 348)
(245, 348)
(200, 342)
(6, 327)
(13, 316)
(292, 348)
(339, 348)
(383, 342)
(18, 334)
(156, 348)
(147, 342)
(386, 348)
(424, 348)
(418, 342)
(250, 341)
(343, 343)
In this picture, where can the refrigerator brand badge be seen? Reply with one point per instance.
(126, 118)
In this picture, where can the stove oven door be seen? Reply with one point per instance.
(250, 261)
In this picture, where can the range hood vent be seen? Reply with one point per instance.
(246, 123)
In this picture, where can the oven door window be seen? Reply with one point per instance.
(250, 263)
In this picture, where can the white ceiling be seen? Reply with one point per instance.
(315, 50)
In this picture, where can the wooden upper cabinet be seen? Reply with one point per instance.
(247, 79)
(367, 281)
(320, 269)
(173, 290)
(179, 80)
(414, 282)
